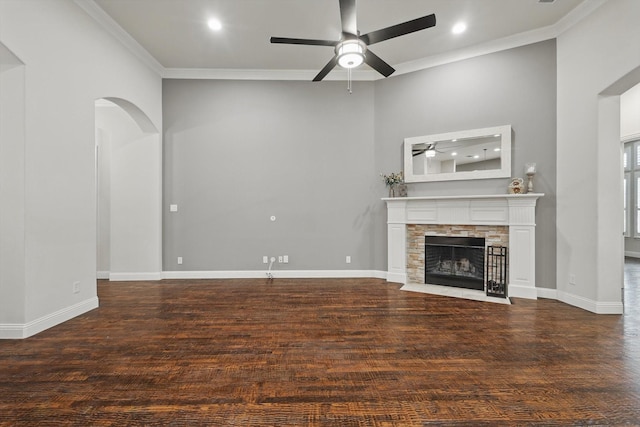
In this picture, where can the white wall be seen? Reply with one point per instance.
(12, 302)
(592, 56)
(69, 63)
(103, 163)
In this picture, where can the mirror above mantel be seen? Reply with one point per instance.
(470, 154)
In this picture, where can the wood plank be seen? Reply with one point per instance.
(312, 352)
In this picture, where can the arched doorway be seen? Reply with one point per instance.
(129, 192)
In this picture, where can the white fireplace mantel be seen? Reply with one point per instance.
(517, 211)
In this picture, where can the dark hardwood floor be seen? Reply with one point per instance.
(348, 352)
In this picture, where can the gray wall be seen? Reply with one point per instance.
(516, 87)
(237, 152)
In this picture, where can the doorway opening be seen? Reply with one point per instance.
(129, 192)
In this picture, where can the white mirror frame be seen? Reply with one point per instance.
(505, 148)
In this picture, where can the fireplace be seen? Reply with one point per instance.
(506, 220)
(454, 261)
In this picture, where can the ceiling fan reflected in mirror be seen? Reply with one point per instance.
(351, 49)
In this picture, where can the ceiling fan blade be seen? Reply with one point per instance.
(399, 29)
(348, 17)
(327, 68)
(378, 64)
(311, 42)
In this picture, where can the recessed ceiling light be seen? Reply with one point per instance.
(476, 156)
(454, 154)
(214, 24)
(460, 27)
(496, 149)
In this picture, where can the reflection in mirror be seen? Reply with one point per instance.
(471, 154)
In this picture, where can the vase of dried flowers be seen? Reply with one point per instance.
(392, 180)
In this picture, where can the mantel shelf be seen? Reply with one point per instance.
(467, 197)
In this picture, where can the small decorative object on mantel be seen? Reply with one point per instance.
(392, 181)
(530, 170)
(401, 190)
(516, 186)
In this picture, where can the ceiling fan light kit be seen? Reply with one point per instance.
(350, 53)
(351, 50)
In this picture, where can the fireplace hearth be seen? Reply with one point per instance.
(455, 261)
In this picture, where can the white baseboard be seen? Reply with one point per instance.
(17, 331)
(519, 291)
(547, 293)
(589, 304)
(101, 275)
(282, 274)
(124, 277)
(397, 277)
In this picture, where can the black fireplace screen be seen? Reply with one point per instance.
(497, 271)
(455, 261)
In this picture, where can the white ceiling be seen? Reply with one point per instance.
(176, 35)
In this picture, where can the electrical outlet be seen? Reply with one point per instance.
(572, 279)
(285, 259)
(280, 259)
(265, 259)
(179, 260)
(348, 259)
(76, 287)
(173, 208)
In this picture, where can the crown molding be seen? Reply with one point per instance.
(248, 74)
(583, 10)
(112, 27)
(580, 12)
(517, 40)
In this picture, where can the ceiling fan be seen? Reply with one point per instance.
(351, 49)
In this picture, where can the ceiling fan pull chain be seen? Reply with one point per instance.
(349, 80)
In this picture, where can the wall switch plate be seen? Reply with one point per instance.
(285, 259)
(173, 208)
(76, 287)
(348, 259)
(179, 260)
(265, 259)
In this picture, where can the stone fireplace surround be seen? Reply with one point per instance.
(493, 235)
(507, 219)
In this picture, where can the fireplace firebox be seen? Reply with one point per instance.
(455, 261)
